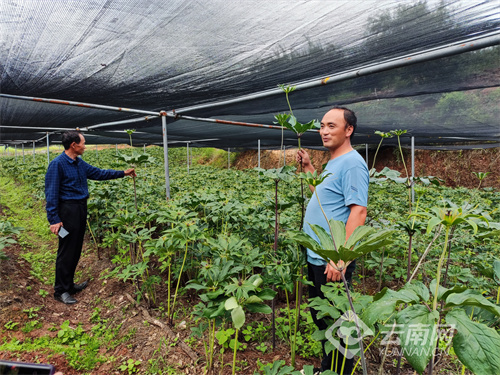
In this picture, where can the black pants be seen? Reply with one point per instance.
(73, 215)
(316, 274)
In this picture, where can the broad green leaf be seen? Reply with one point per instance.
(374, 241)
(419, 288)
(471, 298)
(325, 238)
(418, 335)
(196, 286)
(256, 280)
(213, 295)
(231, 303)
(433, 221)
(359, 233)
(496, 269)
(476, 345)
(258, 308)
(444, 292)
(318, 335)
(238, 317)
(219, 312)
(266, 294)
(303, 239)
(338, 230)
(385, 302)
(492, 233)
(253, 299)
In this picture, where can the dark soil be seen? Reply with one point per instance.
(20, 291)
(453, 167)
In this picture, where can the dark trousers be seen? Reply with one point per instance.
(73, 215)
(316, 274)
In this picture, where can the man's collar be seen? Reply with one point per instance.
(69, 159)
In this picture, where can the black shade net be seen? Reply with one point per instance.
(193, 56)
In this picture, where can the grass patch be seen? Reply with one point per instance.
(80, 348)
(39, 244)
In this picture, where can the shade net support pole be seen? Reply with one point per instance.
(48, 151)
(187, 159)
(165, 153)
(412, 169)
(258, 157)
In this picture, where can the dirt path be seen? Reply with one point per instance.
(22, 303)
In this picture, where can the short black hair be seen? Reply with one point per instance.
(69, 137)
(350, 118)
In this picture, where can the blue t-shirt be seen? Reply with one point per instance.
(346, 185)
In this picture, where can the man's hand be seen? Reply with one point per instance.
(303, 158)
(54, 228)
(130, 172)
(332, 274)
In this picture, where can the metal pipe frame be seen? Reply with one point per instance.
(165, 153)
(450, 49)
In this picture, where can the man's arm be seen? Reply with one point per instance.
(94, 173)
(304, 159)
(356, 218)
(52, 182)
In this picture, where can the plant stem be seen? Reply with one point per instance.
(438, 273)
(326, 218)
(376, 152)
(381, 368)
(169, 291)
(297, 315)
(288, 313)
(445, 277)
(361, 353)
(178, 282)
(408, 268)
(212, 344)
(273, 304)
(135, 193)
(381, 269)
(438, 232)
(302, 208)
(402, 157)
(288, 101)
(95, 241)
(235, 348)
(276, 215)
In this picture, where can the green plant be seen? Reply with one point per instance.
(130, 366)
(383, 136)
(245, 294)
(7, 230)
(468, 346)
(10, 325)
(481, 176)
(43, 293)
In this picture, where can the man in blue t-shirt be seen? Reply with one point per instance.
(66, 193)
(343, 196)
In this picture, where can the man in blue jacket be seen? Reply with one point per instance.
(66, 193)
(343, 196)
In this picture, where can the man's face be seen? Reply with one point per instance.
(333, 130)
(79, 148)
